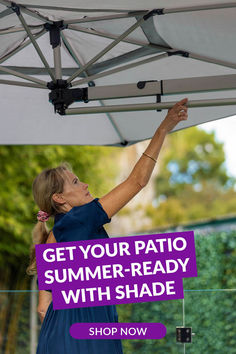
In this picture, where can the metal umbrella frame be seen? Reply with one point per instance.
(62, 92)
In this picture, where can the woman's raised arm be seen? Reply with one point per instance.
(140, 175)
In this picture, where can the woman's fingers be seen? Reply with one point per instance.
(183, 108)
(183, 116)
(183, 101)
(176, 114)
(180, 105)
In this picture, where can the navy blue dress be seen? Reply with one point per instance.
(80, 223)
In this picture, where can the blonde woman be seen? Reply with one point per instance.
(60, 194)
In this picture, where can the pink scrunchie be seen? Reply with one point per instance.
(42, 216)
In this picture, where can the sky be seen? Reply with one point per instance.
(225, 130)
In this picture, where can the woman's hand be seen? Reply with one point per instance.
(175, 114)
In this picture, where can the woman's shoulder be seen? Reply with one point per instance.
(82, 210)
(89, 212)
(85, 220)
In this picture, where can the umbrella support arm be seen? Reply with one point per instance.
(62, 95)
(149, 106)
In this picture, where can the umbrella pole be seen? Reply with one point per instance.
(55, 41)
(57, 62)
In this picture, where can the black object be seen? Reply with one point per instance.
(179, 52)
(142, 84)
(153, 13)
(54, 32)
(15, 8)
(61, 96)
(184, 334)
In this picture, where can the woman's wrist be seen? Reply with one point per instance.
(163, 129)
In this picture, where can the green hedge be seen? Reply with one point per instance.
(212, 315)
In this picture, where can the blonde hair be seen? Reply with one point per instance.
(48, 182)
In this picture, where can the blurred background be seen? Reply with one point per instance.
(193, 187)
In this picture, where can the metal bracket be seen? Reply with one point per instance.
(15, 8)
(184, 334)
(61, 96)
(54, 31)
(142, 84)
(178, 52)
(153, 13)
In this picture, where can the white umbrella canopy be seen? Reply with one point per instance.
(184, 50)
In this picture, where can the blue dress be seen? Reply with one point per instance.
(80, 223)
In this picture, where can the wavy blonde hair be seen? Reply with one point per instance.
(48, 182)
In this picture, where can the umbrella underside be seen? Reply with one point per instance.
(111, 72)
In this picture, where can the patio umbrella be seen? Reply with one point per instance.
(105, 72)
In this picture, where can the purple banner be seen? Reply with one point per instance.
(116, 270)
(118, 330)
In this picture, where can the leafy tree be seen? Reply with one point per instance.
(19, 167)
(192, 182)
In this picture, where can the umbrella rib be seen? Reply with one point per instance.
(123, 141)
(33, 70)
(78, 62)
(169, 52)
(142, 12)
(6, 13)
(101, 18)
(108, 48)
(23, 76)
(15, 29)
(36, 46)
(198, 8)
(71, 52)
(109, 35)
(19, 83)
(213, 61)
(119, 69)
(20, 47)
(27, 11)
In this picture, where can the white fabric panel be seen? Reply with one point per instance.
(29, 118)
(87, 46)
(12, 20)
(10, 41)
(29, 57)
(116, 27)
(211, 33)
(174, 67)
(142, 125)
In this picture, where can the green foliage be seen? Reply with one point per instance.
(19, 167)
(192, 182)
(212, 315)
(191, 157)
